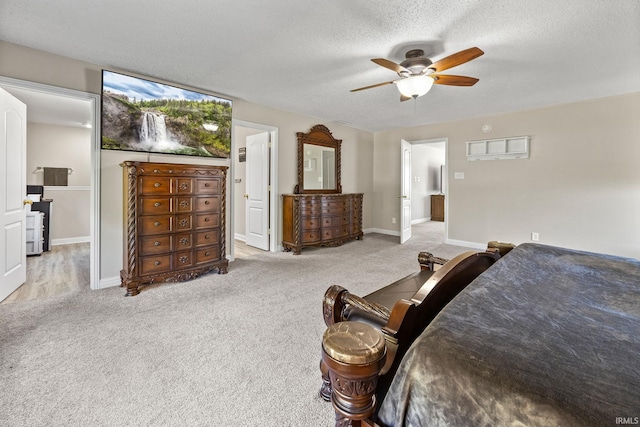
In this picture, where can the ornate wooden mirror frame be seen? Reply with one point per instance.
(320, 136)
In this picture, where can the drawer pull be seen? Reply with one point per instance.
(156, 224)
(207, 253)
(206, 219)
(156, 204)
(206, 236)
(206, 202)
(157, 262)
(156, 243)
(156, 171)
(157, 184)
(206, 184)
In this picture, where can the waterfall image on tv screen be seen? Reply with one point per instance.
(142, 115)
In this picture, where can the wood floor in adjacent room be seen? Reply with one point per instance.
(63, 269)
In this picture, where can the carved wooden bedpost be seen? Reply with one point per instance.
(353, 353)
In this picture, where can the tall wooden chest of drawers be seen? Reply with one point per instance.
(174, 217)
(320, 220)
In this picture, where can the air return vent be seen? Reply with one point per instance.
(516, 147)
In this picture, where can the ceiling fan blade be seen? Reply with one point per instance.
(456, 59)
(390, 65)
(372, 86)
(446, 79)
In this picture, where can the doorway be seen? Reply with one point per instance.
(254, 197)
(65, 109)
(424, 187)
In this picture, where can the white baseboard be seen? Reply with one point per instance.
(382, 231)
(109, 282)
(420, 220)
(70, 240)
(472, 245)
(240, 237)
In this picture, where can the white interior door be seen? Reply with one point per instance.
(13, 251)
(257, 196)
(405, 192)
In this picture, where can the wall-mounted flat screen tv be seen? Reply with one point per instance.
(142, 115)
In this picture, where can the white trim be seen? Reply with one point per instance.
(67, 188)
(274, 199)
(94, 223)
(70, 240)
(472, 245)
(109, 282)
(420, 220)
(240, 237)
(382, 231)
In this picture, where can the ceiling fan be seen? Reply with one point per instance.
(418, 73)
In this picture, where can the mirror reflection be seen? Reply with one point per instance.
(319, 167)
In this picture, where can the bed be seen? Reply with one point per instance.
(545, 336)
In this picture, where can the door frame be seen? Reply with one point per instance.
(94, 211)
(446, 173)
(274, 210)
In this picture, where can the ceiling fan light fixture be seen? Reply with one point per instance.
(415, 86)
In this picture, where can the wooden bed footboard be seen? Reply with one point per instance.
(398, 327)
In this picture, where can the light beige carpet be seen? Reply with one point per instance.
(238, 349)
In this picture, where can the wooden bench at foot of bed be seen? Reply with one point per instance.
(398, 313)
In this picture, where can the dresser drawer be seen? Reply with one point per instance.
(155, 185)
(209, 220)
(331, 233)
(183, 241)
(184, 204)
(184, 222)
(183, 260)
(204, 238)
(155, 205)
(207, 254)
(208, 186)
(157, 224)
(310, 236)
(310, 223)
(208, 204)
(155, 264)
(332, 221)
(184, 186)
(155, 245)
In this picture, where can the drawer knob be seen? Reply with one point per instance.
(156, 204)
(206, 219)
(206, 236)
(157, 263)
(157, 184)
(207, 253)
(156, 171)
(156, 243)
(206, 202)
(156, 223)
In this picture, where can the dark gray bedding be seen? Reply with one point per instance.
(546, 337)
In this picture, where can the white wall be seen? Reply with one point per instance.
(580, 188)
(68, 147)
(23, 63)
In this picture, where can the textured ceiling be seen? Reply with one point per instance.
(304, 56)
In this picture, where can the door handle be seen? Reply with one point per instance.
(402, 197)
(27, 202)
(246, 196)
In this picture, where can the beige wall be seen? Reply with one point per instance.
(580, 188)
(69, 147)
(357, 154)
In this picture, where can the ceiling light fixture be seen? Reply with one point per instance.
(415, 86)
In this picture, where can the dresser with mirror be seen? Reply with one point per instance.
(318, 213)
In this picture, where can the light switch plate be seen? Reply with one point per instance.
(458, 175)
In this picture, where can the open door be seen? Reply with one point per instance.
(405, 192)
(257, 206)
(13, 143)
